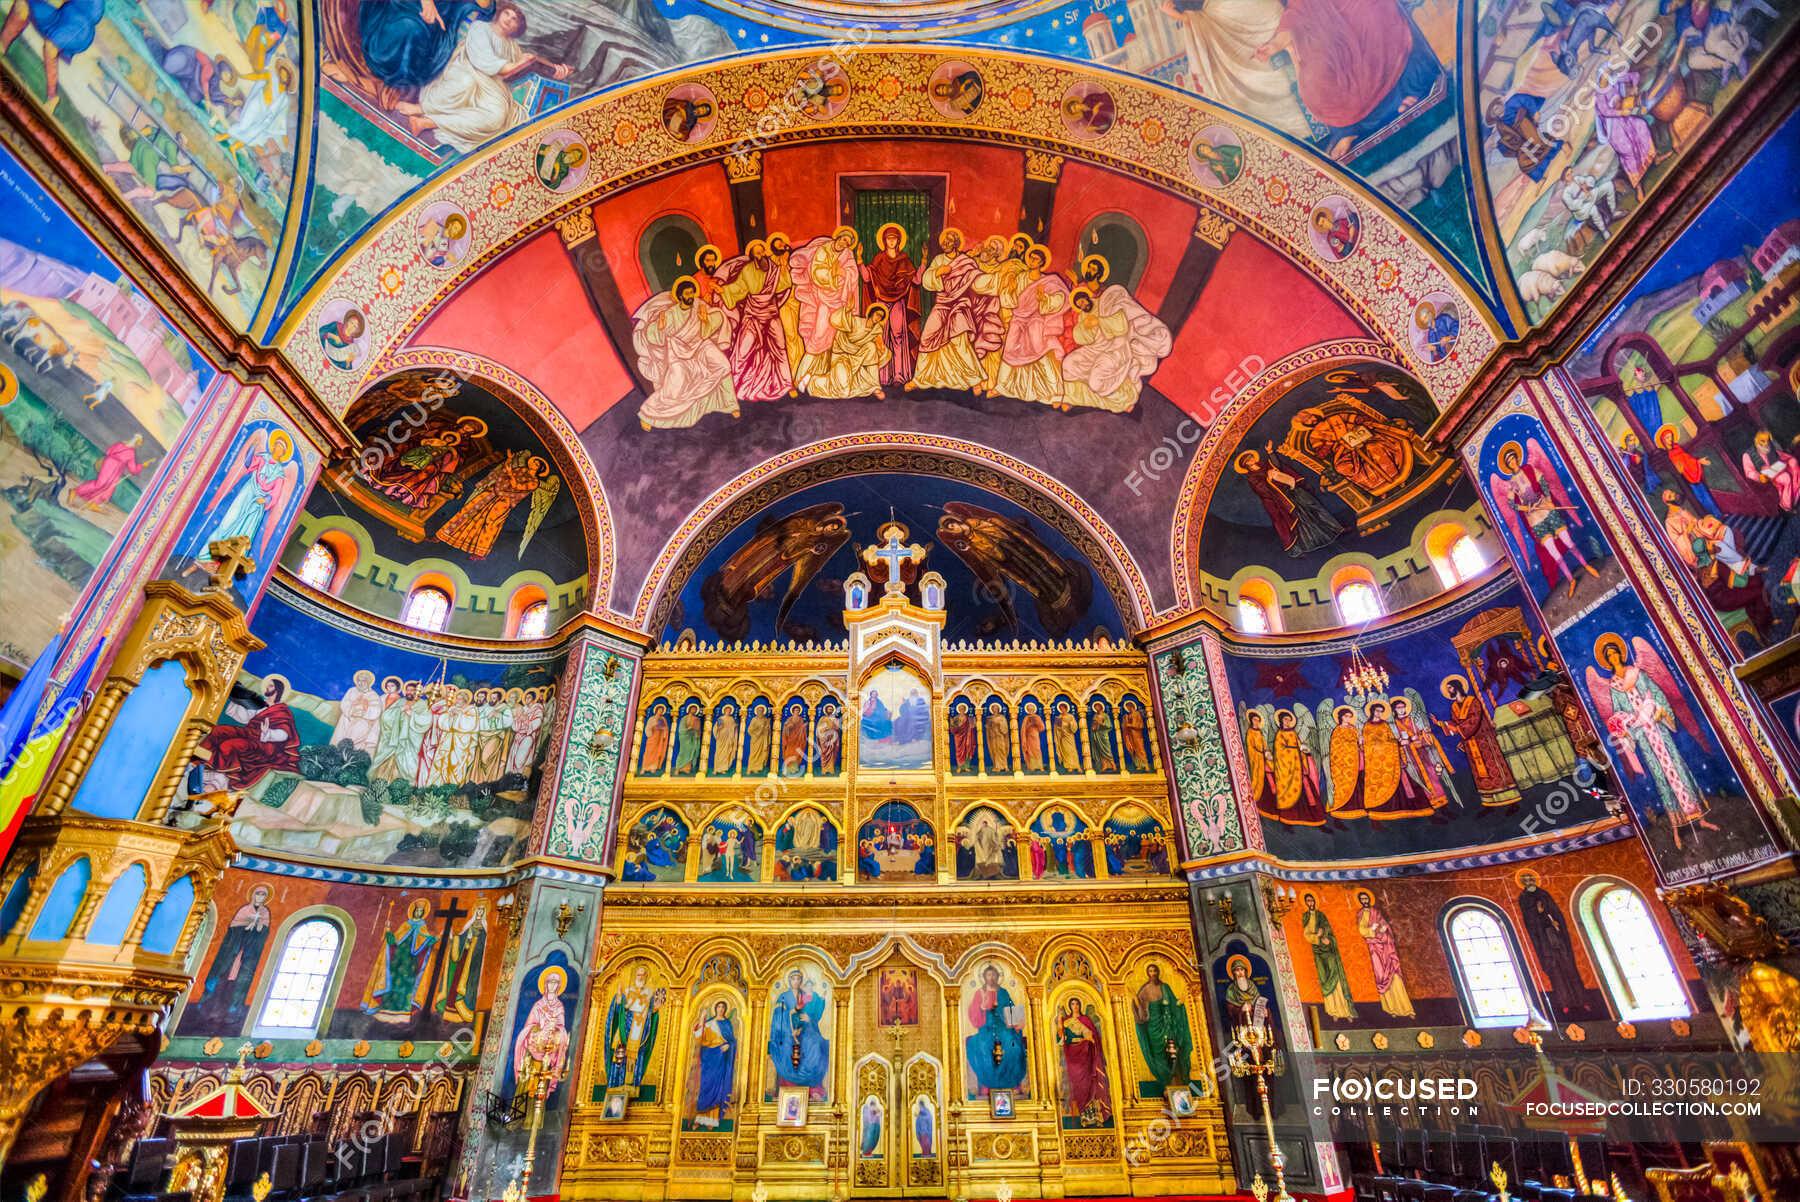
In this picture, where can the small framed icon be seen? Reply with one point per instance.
(616, 1102)
(1000, 1103)
(790, 1106)
(1181, 1101)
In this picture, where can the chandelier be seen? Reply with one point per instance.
(1362, 678)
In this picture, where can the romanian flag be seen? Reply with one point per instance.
(28, 742)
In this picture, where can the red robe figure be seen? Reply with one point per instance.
(268, 742)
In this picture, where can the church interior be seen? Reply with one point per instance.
(988, 599)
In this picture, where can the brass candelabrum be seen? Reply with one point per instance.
(1254, 1041)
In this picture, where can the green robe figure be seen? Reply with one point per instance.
(464, 953)
(687, 749)
(1327, 960)
(1162, 1023)
(1100, 739)
(396, 992)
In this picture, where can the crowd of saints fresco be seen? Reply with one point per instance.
(687, 1046)
(831, 318)
(1693, 382)
(1584, 108)
(419, 969)
(449, 471)
(344, 751)
(1665, 759)
(189, 111)
(95, 388)
(1476, 724)
(1338, 462)
(1007, 572)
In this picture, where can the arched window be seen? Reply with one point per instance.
(534, 623)
(1258, 607)
(1357, 602)
(1633, 959)
(1121, 242)
(427, 608)
(1466, 558)
(1454, 553)
(303, 974)
(320, 566)
(1488, 969)
(1252, 615)
(667, 248)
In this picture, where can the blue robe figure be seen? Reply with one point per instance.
(657, 855)
(718, 1061)
(636, 871)
(996, 1052)
(1081, 858)
(1115, 864)
(926, 864)
(402, 49)
(1440, 335)
(914, 720)
(798, 1049)
(924, 1128)
(877, 724)
(871, 1126)
(866, 863)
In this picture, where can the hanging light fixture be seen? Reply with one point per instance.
(1362, 678)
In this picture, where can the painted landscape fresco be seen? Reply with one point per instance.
(1693, 381)
(95, 387)
(348, 750)
(189, 111)
(1475, 735)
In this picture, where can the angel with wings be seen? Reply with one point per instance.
(1299, 785)
(1340, 737)
(796, 546)
(250, 499)
(1530, 495)
(1642, 705)
(477, 525)
(1003, 552)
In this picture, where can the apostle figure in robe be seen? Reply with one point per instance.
(456, 754)
(852, 367)
(470, 102)
(1384, 957)
(396, 990)
(438, 697)
(999, 738)
(1084, 1065)
(631, 1021)
(1423, 756)
(988, 840)
(464, 954)
(1328, 962)
(752, 287)
(1065, 735)
(1257, 763)
(781, 254)
(995, 1051)
(1297, 784)
(759, 734)
(1117, 343)
(1002, 277)
(798, 1049)
(717, 1064)
(683, 348)
(963, 738)
(687, 744)
(1222, 38)
(1548, 933)
(963, 324)
(1134, 736)
(828, 738)
(119, 461)
(528, 727)
(827, 283)
(233, 970)
(1031, 738)
(403, 725)
(725, 740)
(1301, 523)
(1389, 791)
(1346, 765)
(892, 279)
(1031, 358)
(1470, 722)
(541, 1052)
(1162, 1020)
(1100, 739)
(656, 743)
(237, 757)
(493, 741)
(793, 742)
(359, 714)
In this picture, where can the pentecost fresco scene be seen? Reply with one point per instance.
(757, 600)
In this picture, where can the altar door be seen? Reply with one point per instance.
(897, 1127)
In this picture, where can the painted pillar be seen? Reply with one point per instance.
(602, 287)
(1196, 750)
(1202, 254)
(1042, 171)
(585, 768)
(1686, 748)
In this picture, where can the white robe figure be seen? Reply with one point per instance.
(1222, 38)
(403, 727)
(1117, 345)
(470, 101)
(1029, 369)
(683, 353)
(527, 720)
(826, 279)
(359, 716)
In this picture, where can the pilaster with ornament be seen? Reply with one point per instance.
(1196, 752)
(585, 771)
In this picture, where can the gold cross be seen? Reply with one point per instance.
(231, 559)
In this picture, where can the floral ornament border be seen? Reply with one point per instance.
(1382, 281)
(577, 821)
(1204, 796)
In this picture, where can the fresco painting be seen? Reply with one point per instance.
(1692, 379)
(1667, 762)
(347, 751)
(96, 387)
(896, 846)
(190, 112)
(1584, 109)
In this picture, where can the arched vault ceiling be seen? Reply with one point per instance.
(396, 286)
